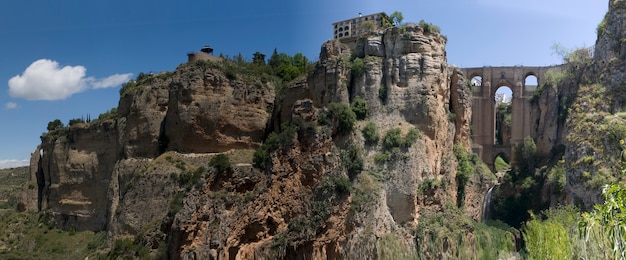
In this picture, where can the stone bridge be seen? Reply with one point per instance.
(485, 82)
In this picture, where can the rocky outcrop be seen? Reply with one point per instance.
(73, 174)
(324, 193)
(85, 172)
(208, 112)
(594, 152)
(406, 84)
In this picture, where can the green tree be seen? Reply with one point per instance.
(393, 138)
(274, 60)
(221, 163)
(258, 58)
(396, 17)
(359, 106)
(343, 117)
(300, 62)
(55, 124)
(370, 133)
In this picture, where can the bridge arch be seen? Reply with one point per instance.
(506, 157)
(476, 80)
(484, 106)
(531, 81)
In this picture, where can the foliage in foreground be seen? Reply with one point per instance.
(564, 233)
(446, 234)
(27, 236)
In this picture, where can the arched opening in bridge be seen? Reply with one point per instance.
(476, 81)
(501, 163)
(503, 111)
(530, 82)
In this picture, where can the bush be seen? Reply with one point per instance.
(273, 142)
(359, 107)
(383, 93)
(352, 160)
(411, 137)
(463, 172)
(429, 27)
(370, 133)
(463, 238)
(55, 124)
(221, 163)
(343, 117)
(381, 157)
(128, 88)
(393, 138)
(358, 66)
(428, 184)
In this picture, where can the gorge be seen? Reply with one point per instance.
(380, 149)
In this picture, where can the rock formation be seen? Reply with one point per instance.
(324, 192)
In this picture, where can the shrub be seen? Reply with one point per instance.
(352, 160)
(393, 138)
(463, 172)
(273, 142)
(411, 137)
(221, 163)
(554, 237)
(428, 184)
(128, 88)
(381, 157)
(343, 117)
(55, 124)
(611, 217)
(358, 66)
(383, 93)
(359, 107)
(370, 133)
(451, 229)
(429, 27)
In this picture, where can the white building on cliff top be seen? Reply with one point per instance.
(352, 27)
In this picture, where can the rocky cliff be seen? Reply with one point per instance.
(84, 171)
(328, 183)
(304, 209)
(594, 154)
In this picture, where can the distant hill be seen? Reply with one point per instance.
(12, 180)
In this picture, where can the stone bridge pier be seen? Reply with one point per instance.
(485, 82)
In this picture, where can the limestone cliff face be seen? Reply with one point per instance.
(610, 51)
(594, 153)
(324, 193)
(208, 112)
(73, 173)
(92, 176)
(141, 113)
(406, 84)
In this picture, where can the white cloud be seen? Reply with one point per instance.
(13, 163)
(45, 80)
(111, 81)
(11, 105)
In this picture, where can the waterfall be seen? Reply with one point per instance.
(486, 211)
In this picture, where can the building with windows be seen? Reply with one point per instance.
(206, 53)
(353, 27)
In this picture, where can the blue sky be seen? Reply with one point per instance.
(66, 59)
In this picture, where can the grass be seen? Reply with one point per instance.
(11, 181)
(25, 236)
